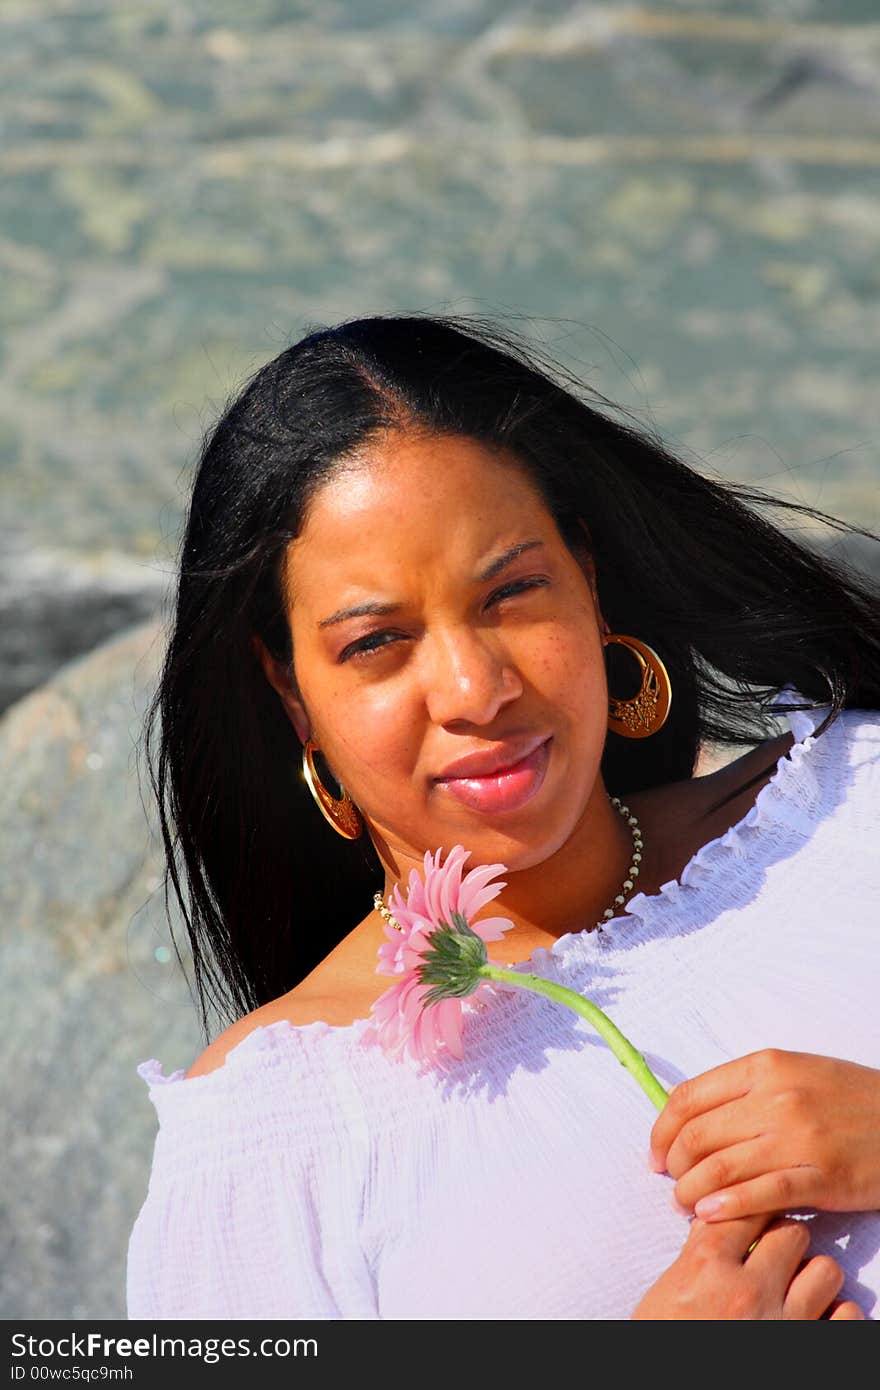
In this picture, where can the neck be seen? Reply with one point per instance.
(566, 892)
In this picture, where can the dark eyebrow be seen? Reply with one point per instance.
(361, 610)
(375, 609)
(502, 561)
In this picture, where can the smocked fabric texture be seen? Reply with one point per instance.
(312, 1177)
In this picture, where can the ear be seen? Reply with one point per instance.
(282, 682)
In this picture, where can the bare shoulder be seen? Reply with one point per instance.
(338, 991)
(735, 778)
(680, 817)
(294, 1008)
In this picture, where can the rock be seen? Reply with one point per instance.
(91, 983)
(56, 606)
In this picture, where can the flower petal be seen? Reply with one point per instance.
(449, 1017)
(451, 882)
(492, 928)
(425, 1034)
(433, 886)
(476, 891)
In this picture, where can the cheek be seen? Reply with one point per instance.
(375, 733)
(567, 668)
(567, 673)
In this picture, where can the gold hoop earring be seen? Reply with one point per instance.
(341, 812)
(646, 712)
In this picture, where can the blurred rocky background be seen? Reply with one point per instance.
(679, 200)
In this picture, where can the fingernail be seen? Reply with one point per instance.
(708, 1206)
(655, 1165)
(676, 1206)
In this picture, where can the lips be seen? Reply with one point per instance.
(490, 761)
(495, 781)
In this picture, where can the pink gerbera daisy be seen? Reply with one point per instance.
(437, 913)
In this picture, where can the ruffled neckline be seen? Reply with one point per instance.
(788, 788)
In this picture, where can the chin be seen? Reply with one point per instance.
(516, 848)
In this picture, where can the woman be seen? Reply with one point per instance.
(489, 608)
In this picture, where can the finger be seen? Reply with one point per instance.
(722, 1171)
(778, 1253)
(693, 1097)
(705, 1134)
(728, 1240)
(813, 1290)
(784, 1190)
(847, 1312)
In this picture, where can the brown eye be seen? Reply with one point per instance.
(375, 641)
(365, 646)
(518, 586)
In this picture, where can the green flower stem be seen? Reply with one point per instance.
(622, 1048)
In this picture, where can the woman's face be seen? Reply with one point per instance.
(436, 616)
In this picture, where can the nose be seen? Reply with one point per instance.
(470, 678)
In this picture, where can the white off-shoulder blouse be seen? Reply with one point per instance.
(312, 1177)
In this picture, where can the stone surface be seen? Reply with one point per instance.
(90, 983)
(682, 200)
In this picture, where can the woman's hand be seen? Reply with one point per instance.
(770, 1132)
(716, 1278)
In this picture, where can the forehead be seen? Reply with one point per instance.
(419, 473)
(413, 501)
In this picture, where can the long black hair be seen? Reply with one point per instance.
(736, 608)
